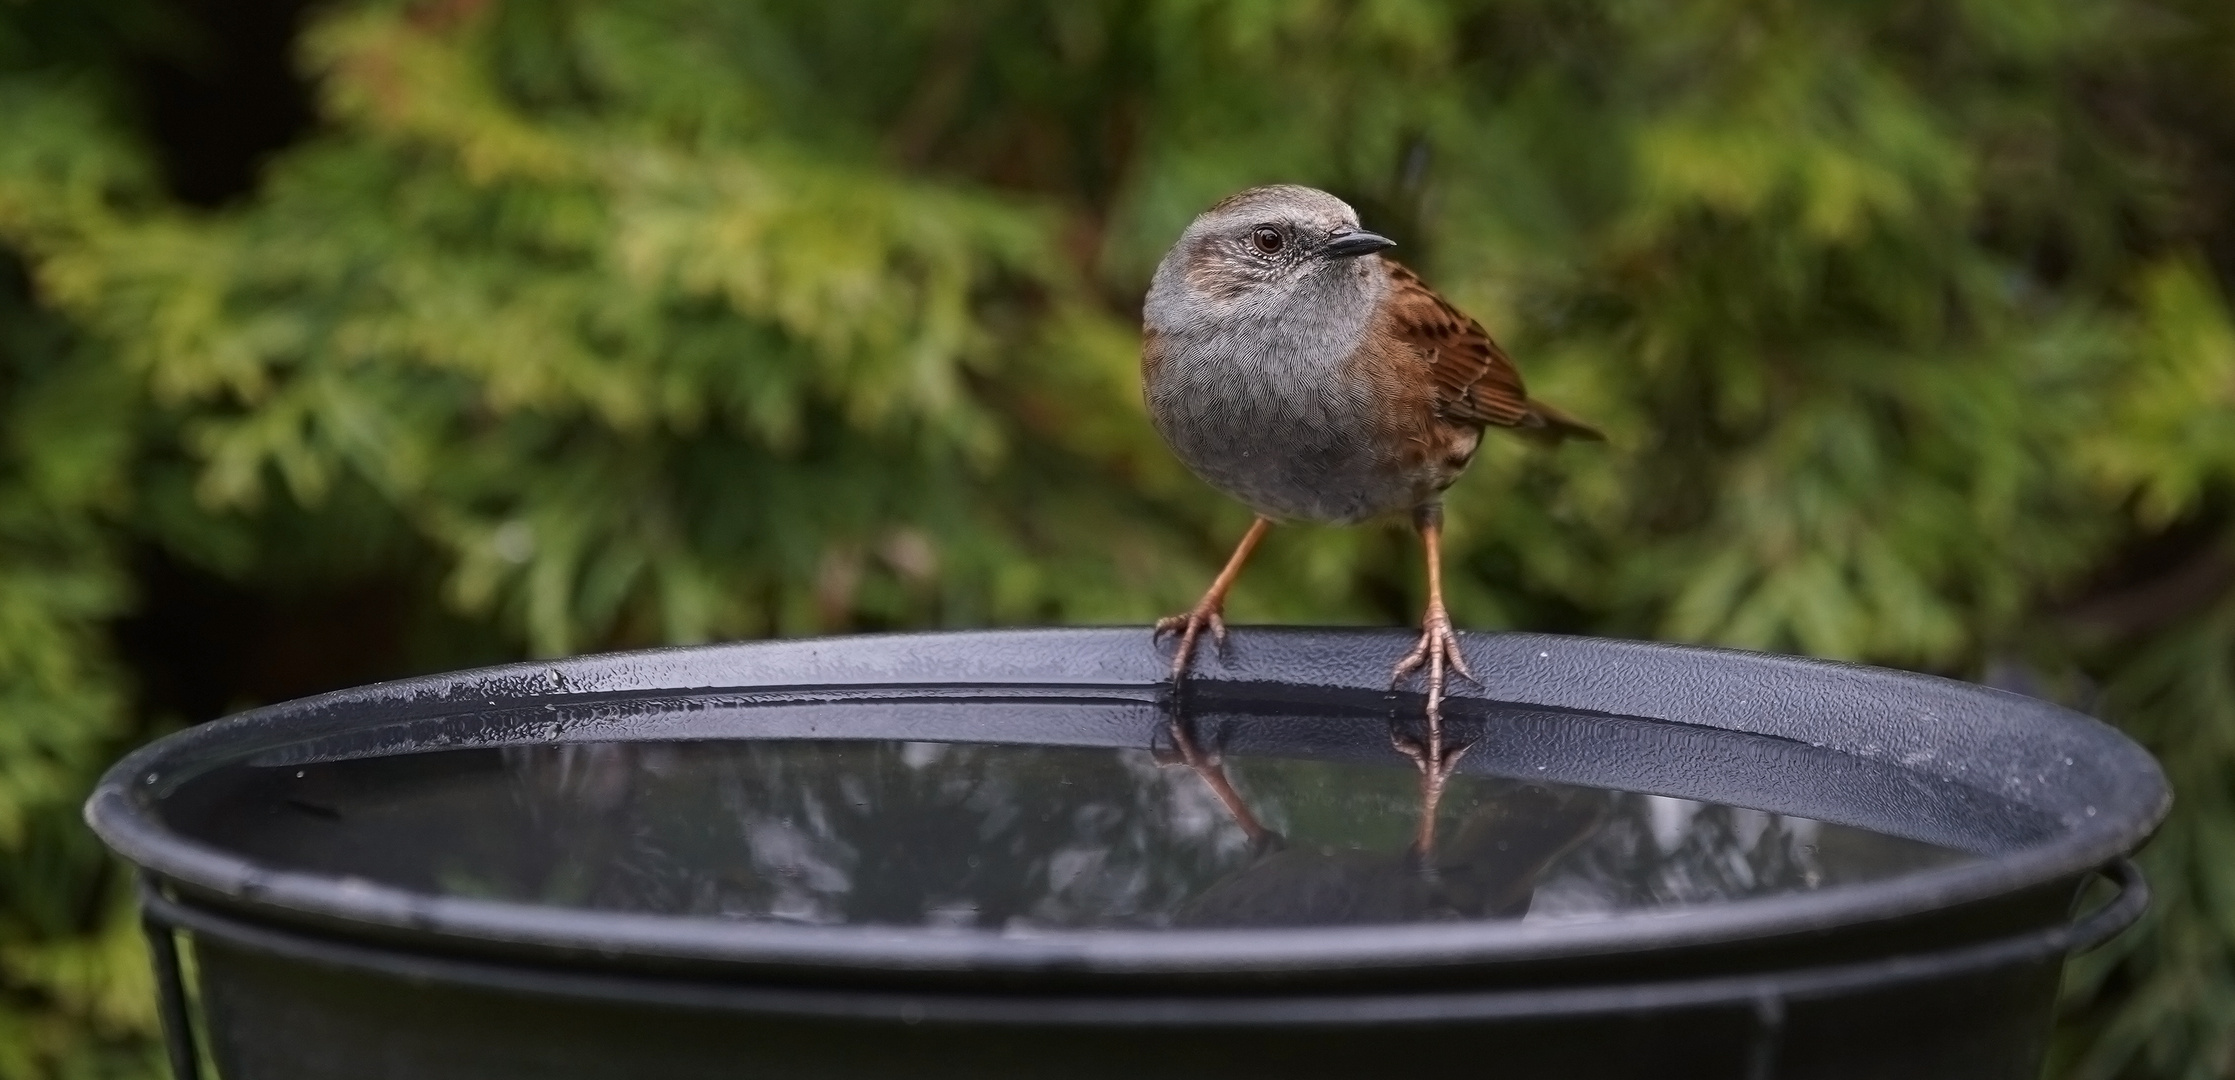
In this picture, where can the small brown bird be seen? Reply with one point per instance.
(1293, 367)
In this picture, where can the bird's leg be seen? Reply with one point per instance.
(1438, 650)
(1207, 611)
(1435, 762)
(1439, 644)
(1435, 771)
(1212, 772)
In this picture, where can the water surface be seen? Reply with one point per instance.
(1006, 837)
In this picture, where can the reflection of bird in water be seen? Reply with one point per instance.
(1488, 868)
(1213, 775)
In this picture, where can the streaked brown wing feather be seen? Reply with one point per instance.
(1475, 382)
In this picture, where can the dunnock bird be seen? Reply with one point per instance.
(1292, 366)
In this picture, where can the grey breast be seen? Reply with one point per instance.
(1256, 398)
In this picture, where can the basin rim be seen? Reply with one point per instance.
(2017, 747)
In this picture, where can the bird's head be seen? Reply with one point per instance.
(1259, 249)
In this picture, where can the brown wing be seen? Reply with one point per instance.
(1475, 381)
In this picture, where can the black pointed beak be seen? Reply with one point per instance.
(1351, 243)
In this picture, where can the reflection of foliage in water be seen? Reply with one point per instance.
(1654, 851)
(1001, 837)
(941, 834)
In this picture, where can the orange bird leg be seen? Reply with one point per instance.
(1438, 650)
(1433, 775)
(1212, 772)
(1207, 610)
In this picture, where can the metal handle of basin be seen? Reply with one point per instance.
(2106, 922)
(170, 986)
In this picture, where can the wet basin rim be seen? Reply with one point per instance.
(1815, 702)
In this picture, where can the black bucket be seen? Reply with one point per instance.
(1009, 854)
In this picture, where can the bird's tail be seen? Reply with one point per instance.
(1550, 426)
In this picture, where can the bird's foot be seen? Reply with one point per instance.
(1438, 651)
(1435, 762)
(1190, 627)
(1433, 758)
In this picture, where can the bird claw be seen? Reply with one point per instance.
(1434, 761)
(1438, 640)
(1181, 624)
(1190, 627)
(1438, 651)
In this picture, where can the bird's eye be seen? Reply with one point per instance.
(1267, 239)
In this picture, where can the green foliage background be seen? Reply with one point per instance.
(576, 325)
